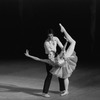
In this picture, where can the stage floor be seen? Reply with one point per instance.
(23, 80)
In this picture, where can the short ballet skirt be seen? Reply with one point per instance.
(67, 67)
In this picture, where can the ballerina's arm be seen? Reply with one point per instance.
(38, 59)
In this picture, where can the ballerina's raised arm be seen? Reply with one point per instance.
(38, 59)
(33, 57)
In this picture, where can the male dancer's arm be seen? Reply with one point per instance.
(59, 43)
(46, 47)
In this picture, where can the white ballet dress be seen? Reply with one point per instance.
(65, 67)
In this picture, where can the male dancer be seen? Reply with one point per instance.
(50, 46)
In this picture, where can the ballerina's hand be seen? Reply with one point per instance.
(27, 53)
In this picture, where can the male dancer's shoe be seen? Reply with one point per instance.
(45, 95)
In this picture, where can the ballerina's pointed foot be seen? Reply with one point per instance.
(64, 93)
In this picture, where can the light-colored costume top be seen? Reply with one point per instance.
(66, 67)
(50, 46)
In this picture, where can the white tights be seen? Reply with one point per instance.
(66, 83)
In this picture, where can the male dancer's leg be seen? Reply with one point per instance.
(61, 84)
(48, 79)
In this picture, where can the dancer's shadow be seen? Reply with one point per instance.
(30, 91)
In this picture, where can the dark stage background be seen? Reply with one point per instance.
(24, 25)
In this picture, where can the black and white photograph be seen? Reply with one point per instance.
(49, 49)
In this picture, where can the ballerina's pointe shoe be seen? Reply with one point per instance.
(64, 93)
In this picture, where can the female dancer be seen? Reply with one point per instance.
(65, 63)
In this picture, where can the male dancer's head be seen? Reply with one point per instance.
(50, 34)
(50, 38)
